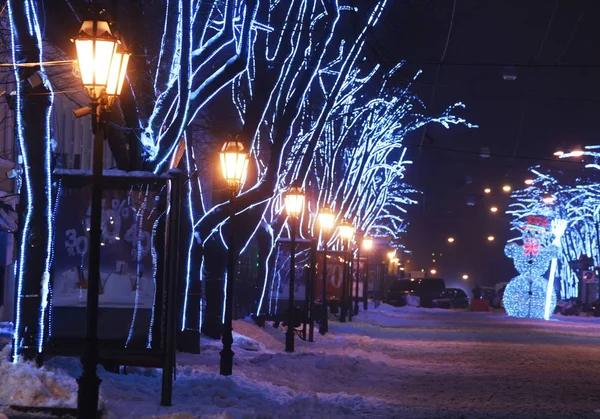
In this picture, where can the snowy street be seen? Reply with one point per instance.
(388, 363)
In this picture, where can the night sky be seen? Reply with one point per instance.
(553, 46)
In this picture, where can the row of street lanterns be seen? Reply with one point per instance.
(234, 163)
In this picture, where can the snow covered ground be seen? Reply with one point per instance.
(388, 363)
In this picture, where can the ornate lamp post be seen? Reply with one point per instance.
(326, 221)
(234, 163)
(346, 233)
(294, 203)
(356, 283)
(102, 67)
(367, 244)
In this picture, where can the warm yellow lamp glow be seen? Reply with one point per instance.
(234, 163)
(294, 201)
(326, 218)
(95, 45)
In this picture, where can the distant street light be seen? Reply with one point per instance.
(326, 222)
(346, 230)
(494, 209)
(367, 244)
(549, 199)
(577, 152)
(433, 271)
(491, 238)
(294, 203)
(360, 237)
(450, 239)
(506, 188)
(487, 191)
(234, 163)
(528, 182)
(465, 277)
(558, 152)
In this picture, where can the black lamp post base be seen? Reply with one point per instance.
(226, 367)
(87, 395)
(324, 326)
(289, 340)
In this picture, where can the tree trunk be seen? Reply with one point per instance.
(32, 110)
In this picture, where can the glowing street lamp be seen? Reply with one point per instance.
(326, 219)
(433, 271)
(465, 277)
(118, 70)
(487, 191)
(294, 203)
(577, 152)
(95, 45)
(494, 209)
(346, 230)
(450, 239)
(558, 152)
(528, 182)
(491, 238)
(548, 199)
(367, 244)
(234, 163)
(506, 188)
(101, 67)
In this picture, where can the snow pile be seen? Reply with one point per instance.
(24, 384)
(386, 363)
(264, 384)
(5, 329)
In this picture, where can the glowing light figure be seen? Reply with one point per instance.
(558, 229)
(525, 295)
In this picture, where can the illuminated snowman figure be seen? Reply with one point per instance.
(528, 294)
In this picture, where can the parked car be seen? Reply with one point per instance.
(451, 298)
(428, 289)
(401, 292)
(417, 292)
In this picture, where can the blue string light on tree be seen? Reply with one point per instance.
(525, 294)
